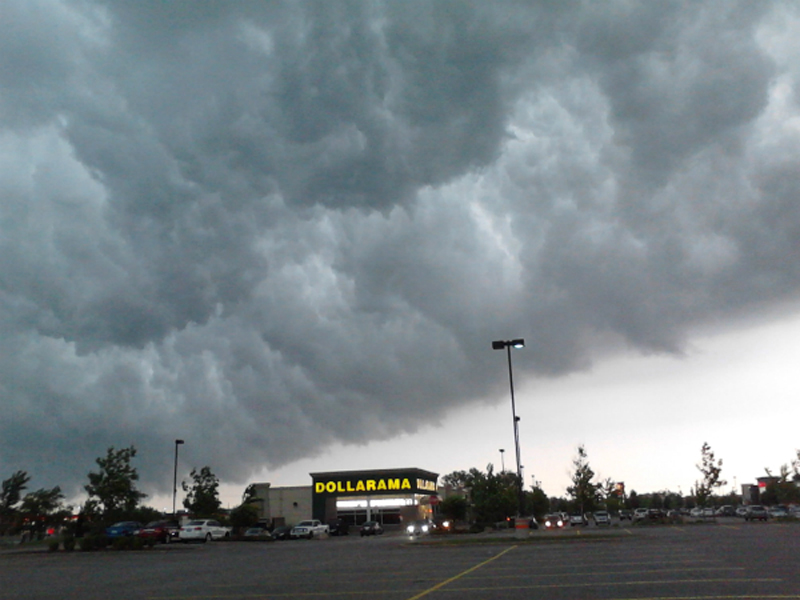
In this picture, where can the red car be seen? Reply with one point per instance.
(161, 531)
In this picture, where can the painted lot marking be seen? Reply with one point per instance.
(594, 584)
(462, 574)
(585, 574)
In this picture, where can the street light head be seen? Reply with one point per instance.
(178, 442)
(500, 344)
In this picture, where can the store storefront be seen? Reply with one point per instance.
(389, 496)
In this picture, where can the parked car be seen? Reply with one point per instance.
(160, 531)
(778, 512)
(578, 519)
(339, 527)
(371, 528)
(655, 514)
(553, 521)
(281, 533)
(203, 530)
(308, 529)
(639, 514)
(726, 511)
(601, 517)
(741, 511)
(625, 514)
(756, 512)
(123, 529)
(256, 532)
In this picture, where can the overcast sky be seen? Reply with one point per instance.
(288, 233)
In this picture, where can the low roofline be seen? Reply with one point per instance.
(376, 472)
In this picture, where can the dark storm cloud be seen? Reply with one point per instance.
(267, 227)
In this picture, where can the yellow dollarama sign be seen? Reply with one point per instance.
(362, 485)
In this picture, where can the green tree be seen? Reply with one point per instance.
(493, 497)
(244, 516)
(202, 497)
(558, 504)
(454, 507)
(583, 491)
(42, 506)
(249, 495)
(711, 469)
(536, 502)
(611, 494)
(113, 487)
(457, 480)
(782, 491)
(10, 495)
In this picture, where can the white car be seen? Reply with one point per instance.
(578, 519)
(203, 530)
(601, 517)
(309, 529)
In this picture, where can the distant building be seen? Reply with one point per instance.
(750, 494)
(282, 505)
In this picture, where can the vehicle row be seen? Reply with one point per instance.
(313, 528)
(202, 530)
(750, 512)
(578, 519)
(205, 530)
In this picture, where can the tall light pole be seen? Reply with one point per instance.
(507, 345)
(502, 460)
(175, 476)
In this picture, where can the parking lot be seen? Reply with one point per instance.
(730, 559)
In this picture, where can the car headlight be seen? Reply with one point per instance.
(410, 529)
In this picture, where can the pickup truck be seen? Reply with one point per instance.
(309, 529)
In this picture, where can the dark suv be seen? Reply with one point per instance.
(756, 512)
(339, 527)
(371, 528)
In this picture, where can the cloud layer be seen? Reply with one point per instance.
(267, 227)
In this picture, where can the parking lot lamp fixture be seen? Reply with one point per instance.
(507, 345)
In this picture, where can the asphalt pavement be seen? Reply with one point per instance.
(729, 559)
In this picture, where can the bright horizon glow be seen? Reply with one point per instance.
(642, 419)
